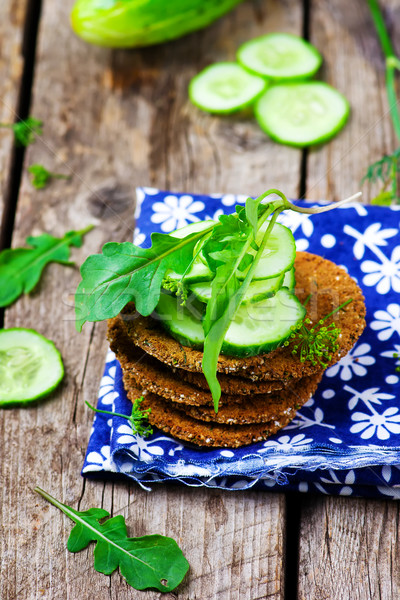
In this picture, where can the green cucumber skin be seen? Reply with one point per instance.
(18, 402)
(224, 111)
(257, 297)
(283, 79)
(138, 23)
(317, 141)
(228, 348)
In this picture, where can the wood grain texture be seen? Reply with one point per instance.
(354, 64)
(115, 120)
(349, 550)
(348, 547)
(12, 18)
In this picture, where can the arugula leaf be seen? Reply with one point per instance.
(21, 268)
(227, 294)
(41, 176)
(25, 131)
(151, 561)
(125, 272)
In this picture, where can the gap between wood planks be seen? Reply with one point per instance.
(29, 41)
(30, 34)
(294, 501)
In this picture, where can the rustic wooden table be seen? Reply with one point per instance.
(117, 119)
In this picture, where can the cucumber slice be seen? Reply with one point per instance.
(257, 328)
(280, 56)
(30, 366)
(289, 280)
(302, 114)
(263, 326)
(225, 87)
(199, 270)
(182, 322)
(278, 256)
(257, 290)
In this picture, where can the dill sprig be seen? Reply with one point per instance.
(25, 131)
(319, 343)
(177, 287)
(138, 418)
(387, 169)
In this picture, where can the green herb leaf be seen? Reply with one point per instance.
(21, 268)
(124, 273)
(138, 418)
(25, 131)
(228, 248)
(41, 176)
(387, 169)
(316, 344)
(151, 561)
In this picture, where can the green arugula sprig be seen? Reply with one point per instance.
(138, 418)
(41, 176)
(150, 561)
(125, 272)
(386, 170)
(21, 268)
(316, 344)
(25, 131)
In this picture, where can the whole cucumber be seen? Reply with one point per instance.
(133, 23)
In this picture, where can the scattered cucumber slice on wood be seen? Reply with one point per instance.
(257, 328)
(280, 56)
(302, 114)
(30, 366)
(225, 87)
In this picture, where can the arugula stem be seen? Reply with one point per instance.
(320, 209)
(49, 498)
(85, 230)
(106, 412)
(392, 62)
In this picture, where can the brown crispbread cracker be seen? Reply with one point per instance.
(144, 371)
(184, 427)
(329, 286)
(234, 385)
(258, 409)
(176, 419)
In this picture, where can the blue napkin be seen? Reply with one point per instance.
(346, 439)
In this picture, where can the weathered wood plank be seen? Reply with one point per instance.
(348, 546)
(116, 120)
(344, 33)
(349, 550)
(12, 17)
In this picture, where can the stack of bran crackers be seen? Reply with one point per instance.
(260, 394)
